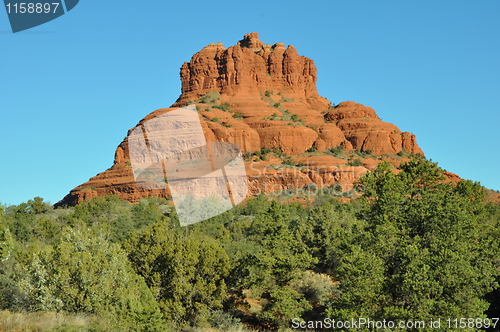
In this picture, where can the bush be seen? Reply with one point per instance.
(316, 287)
(269, 93)
(266, 150)
(278, 152)
(210, 97)
(312, 149)
(311, 186)
(96, 277)
(224, 321)
(223, 107)
(336, 150)
(248, 156)
(238, 116)
(364, 154)
(355, 162)
(403, 153)
(272, 117)
(288, 161)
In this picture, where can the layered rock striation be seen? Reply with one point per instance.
(261, 96)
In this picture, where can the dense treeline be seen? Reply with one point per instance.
(412, 247)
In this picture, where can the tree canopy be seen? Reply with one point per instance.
(413, 246)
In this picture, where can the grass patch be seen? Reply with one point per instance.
(49, 321)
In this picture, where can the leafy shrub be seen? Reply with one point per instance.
(355, 162)
(288, 161)
(225, 321)
(278, 152)
(268, 93)
(238, 116)
(316, 287)
(311, 186)
(335, 189)
(210, 97)
(403, 153)
(364, 154)
(223, 107)
(266, 150)
(188, 275)
(272, 117)
(248, 156)
(313, 148)
(262, 153)
(95, 274)
(336, 150)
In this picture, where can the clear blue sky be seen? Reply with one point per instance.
(70, 89)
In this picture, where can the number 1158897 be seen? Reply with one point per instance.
(32, 8)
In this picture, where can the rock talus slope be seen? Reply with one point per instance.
(261, 96)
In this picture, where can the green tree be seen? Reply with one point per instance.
(100, 210)
(7, 249)
(282, 305)
(423, 248)
(86, 273)
(185, 274)
(6, 239)
(147, 212)
(38, 206)
(278, 259)
(20, 221)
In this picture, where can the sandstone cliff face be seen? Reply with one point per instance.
(365, 131)
(244, 70)
(263, 96)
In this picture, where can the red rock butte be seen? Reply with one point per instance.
(260, 96)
